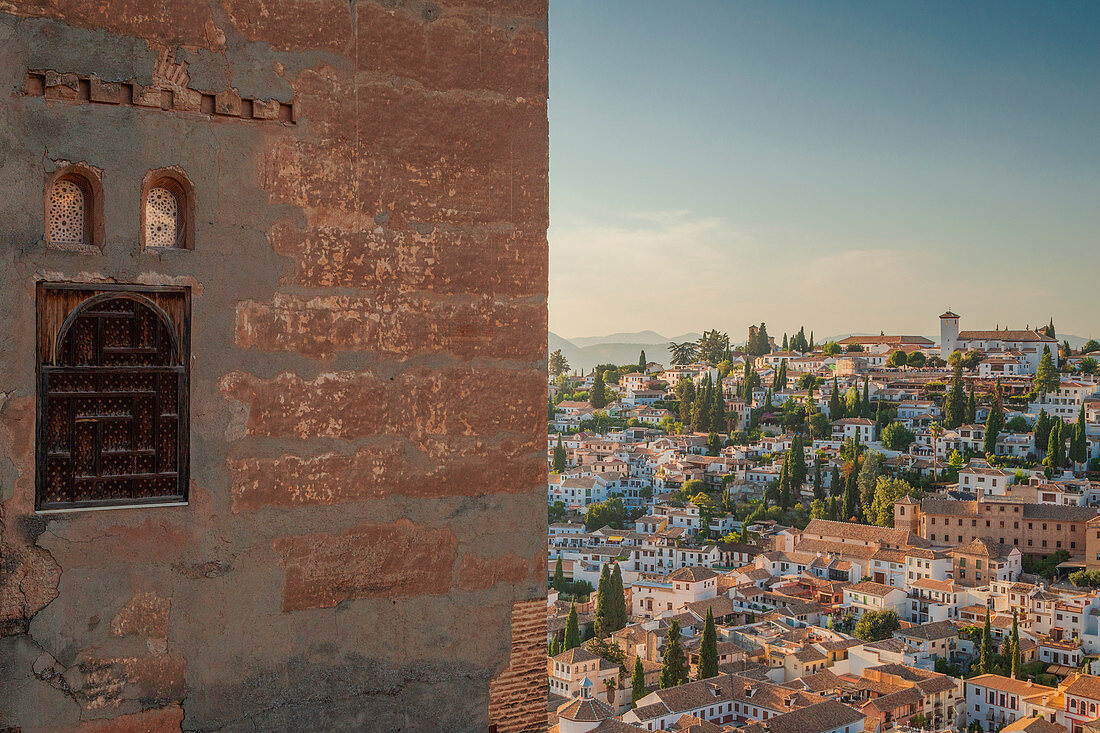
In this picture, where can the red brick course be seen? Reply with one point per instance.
(369, 561)
(517, 697)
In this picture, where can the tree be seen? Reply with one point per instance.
(785, 485)
(887, 493)
(557, 364)
(865, 409)
(1087, 365)
(819, 486)
(1014, 647)
(994, 422)
(1056, 446)
(798, 470)
(836, 408)
(708, 649)
(852, 403)
(620, 615)
(954, 405)
(674, 667)
(971, 408)
(916, 360)
(758, 343)
(572, 629)
(559, 457)
(897, 359)
(642, 363)
(1046, 376)
(832, 348)
(559, 577)
(1049, 329)
(714, 444)
(835, 484)
(1042, 430)
(684, 353)
(779, 379)
(1090, 346)
(851, 493)
(985, 655)
(877, 625)
(897, 437)
(637, 681)
(602, 602)
(868, 478)
(854, 348)
(712, 346)
(785, 343)
(685, 394)
(597, 396)
(610, 513)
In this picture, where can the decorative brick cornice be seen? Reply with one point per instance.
(168, 92)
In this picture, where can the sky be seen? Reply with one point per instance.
(847, 166)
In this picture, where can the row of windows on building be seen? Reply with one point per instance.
(74, 209)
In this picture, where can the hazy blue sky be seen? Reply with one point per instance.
(853, 166)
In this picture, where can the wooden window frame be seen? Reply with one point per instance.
(180, 332)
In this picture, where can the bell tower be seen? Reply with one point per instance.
(907, 515)
(949, 334)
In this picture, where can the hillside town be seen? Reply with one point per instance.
(876, 533)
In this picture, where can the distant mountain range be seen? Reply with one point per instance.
(585, 352)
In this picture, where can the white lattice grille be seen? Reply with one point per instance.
(161, 218)
(65, 214)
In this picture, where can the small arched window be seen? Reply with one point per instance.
(167, 219)
(73, 208)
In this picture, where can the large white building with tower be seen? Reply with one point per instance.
(1028, 343)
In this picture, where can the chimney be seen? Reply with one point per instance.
(714, 690)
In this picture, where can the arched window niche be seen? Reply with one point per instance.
(167, 211)
(73, 208)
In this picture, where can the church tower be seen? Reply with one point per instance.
(949, 334)
(907, 515)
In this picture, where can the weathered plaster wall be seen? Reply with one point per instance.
(365, 532)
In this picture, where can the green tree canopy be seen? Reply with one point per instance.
(877, 625)
(708, 649)
(897, 437)
(674, 666)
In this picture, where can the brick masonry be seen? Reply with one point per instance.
(364, 542)
(517, 698)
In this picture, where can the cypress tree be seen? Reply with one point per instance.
(785, 347)
(851, 491)
(785, 486)
(602, 603)
(954, 405)
(708, 649)
(559, 577)
(572, 630)
(637, 681)
(985, 657)
(1014, 647)
(559, 457)
(597, 397)
(1042, 431)
(618, 596)
(836, 407)
(674, 666)
(642, 362)
(1056, 445)
(994, 422)
(798, 465)
(1079, 451)
(811, 340)
(971, 408)
(835, 485)
(1046, 376)
(819, 488)
(866, 406)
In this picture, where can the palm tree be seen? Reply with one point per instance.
(935, 430)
